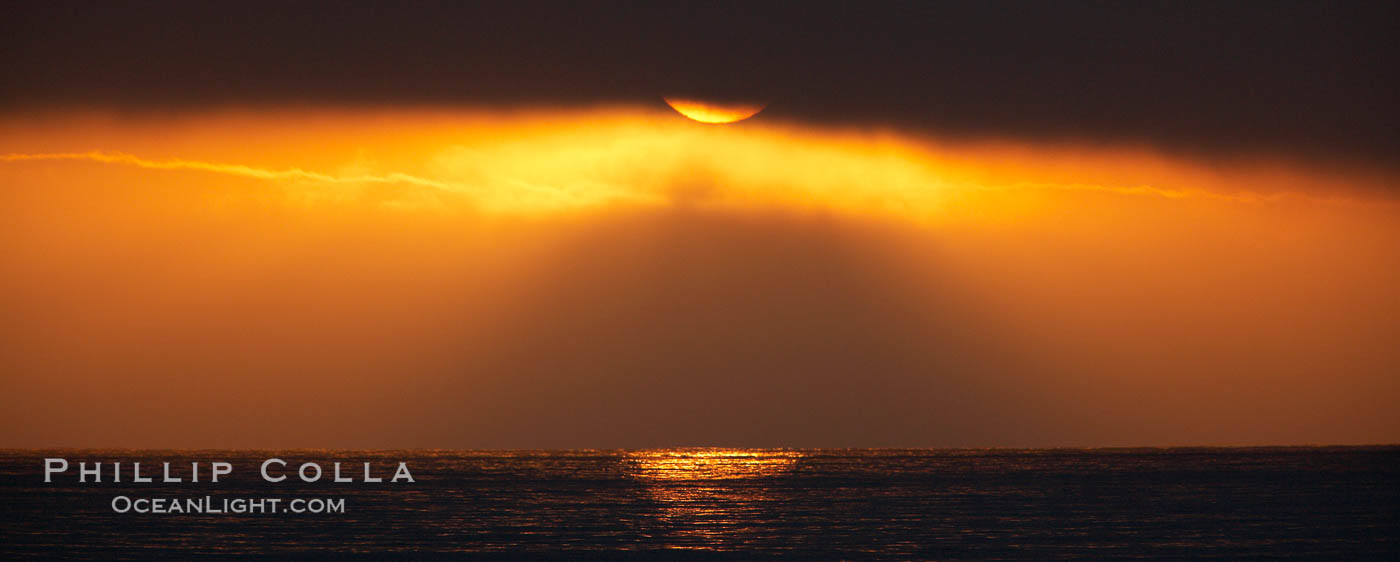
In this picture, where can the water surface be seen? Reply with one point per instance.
(1320, 502)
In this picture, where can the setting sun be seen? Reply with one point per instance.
(712, 112)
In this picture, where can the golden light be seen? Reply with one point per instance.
(547, 163)
(710, 464)
(713, 113)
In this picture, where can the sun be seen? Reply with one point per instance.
(711, 112)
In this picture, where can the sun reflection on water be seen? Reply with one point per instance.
(709, 464)
(710, 498)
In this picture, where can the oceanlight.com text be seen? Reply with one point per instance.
(237, 506)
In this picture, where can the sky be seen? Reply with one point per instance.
(959, 224)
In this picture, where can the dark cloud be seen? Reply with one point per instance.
(1305, 78)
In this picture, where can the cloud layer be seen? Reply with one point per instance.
(614, 279)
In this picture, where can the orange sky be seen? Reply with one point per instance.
(622, 277)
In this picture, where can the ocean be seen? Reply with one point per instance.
(1303, 502)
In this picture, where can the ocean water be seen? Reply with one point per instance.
(1313, 502)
